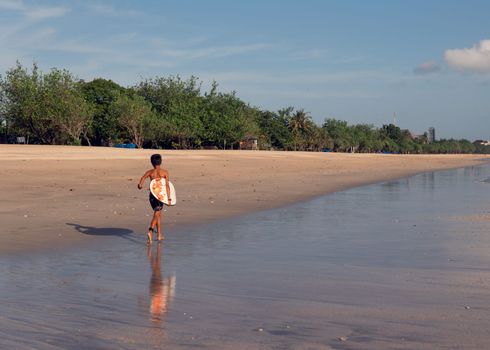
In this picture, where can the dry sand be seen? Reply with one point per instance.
(45, 188)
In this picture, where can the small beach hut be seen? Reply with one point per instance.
(249, 142)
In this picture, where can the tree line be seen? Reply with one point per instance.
(171, 112)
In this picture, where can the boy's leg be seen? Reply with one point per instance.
(159, 232)
(153, 224)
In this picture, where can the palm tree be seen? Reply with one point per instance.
(300, 125)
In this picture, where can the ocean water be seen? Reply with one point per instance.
(399, 264)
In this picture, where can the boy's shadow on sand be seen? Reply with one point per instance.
(105, 231)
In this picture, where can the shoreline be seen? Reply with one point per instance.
(368, 265)
(46, 189)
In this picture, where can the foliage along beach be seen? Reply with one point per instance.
(174, 113)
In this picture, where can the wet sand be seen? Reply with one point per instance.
(474, 218)
(374, 267)
(44, 189)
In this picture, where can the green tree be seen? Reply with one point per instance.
(63, 102)
(339, 133)
(274, 129)
(226, 119)
(364, 138)
(46, 108)
(177, 102)
(392, 132)
(101, 93)
(21, 103)
(135, 116)
(302, 128)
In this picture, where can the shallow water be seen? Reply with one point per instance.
(380, 266)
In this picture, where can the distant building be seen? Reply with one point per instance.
(414, 136)
(431, 137)
(21, 140)
(483, 142)
(249, 143)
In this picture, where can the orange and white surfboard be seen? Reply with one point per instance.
(159, 191)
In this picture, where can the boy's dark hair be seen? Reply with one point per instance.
(156, 159)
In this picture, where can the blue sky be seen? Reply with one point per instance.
(361, 61)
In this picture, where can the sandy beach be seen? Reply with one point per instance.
(400, 264)
(48, 191)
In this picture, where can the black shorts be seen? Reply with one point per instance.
(156, 205)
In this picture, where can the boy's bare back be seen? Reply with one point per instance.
(157, 174)
(153, 174)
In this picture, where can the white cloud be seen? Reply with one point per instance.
(24, 30)
(312, 54)
(473, 59)
(74, 46)
(212, 52)
(41, 13)
(11, 5)
(427, 68)
(33, 12)
(306, 78)
(108, 10)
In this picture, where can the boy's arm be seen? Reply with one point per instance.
(167, 186)
(143, 178)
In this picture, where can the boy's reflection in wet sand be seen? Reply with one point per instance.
(162, 290)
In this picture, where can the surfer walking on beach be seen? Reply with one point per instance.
(156, 173)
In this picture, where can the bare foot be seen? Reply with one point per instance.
(150, 232)
(160, 238)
